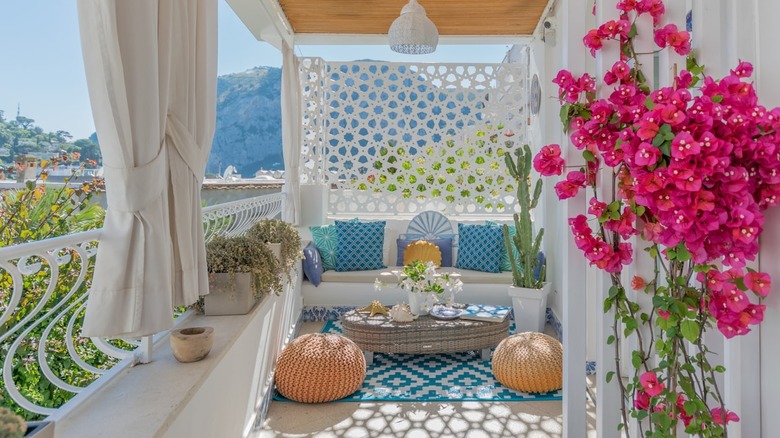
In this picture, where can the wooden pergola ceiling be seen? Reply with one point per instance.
(452, 17)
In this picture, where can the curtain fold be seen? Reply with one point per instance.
(151, 75)
(291, 134)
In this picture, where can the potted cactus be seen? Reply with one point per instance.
(528, 290)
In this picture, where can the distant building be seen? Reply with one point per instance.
(26, 168)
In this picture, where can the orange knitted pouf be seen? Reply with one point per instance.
(529, 362)
(317, 368)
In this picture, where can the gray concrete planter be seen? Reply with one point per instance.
(230, 294)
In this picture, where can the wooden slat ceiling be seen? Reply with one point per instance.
(452, 17)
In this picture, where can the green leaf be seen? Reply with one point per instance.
(636, 359)
(610, 375)
(649, 104)
(658, 140)
(632, 33)
(610, 339)
(683, 254)
(666, 148)
(690, 330)
(565, 116)
(588, 156)
(717, 98)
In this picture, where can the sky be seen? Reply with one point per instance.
(42, 70)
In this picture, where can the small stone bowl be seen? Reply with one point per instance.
(192, 344)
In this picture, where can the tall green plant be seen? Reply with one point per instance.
(524, 242)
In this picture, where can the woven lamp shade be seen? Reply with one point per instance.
(529, 362)
(317, 368)
(422, 251)
(413, 32)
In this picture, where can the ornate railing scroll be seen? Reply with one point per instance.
(235, 218)
(44, 287)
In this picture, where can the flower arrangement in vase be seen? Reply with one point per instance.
(688, 169)
(424, 285)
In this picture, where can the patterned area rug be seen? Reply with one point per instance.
(453, 377)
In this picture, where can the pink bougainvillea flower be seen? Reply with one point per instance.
(647, 130)
(663, 314)
(592, 40)
(642, 400)
(719, 417)
(684, 79)
(650, 383)
(548, 161)
(568, 188)
(596, 207)
(744, 69)
(637, 282)
(758, 282)
(647, 155)
(686, 419)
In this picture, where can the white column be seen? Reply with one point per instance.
(609, 400)
(766, 73)
(572, 27)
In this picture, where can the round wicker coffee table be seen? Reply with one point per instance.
(380, 334)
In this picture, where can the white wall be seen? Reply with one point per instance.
(767, 72)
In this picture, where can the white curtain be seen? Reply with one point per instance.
(291, 134)
(151, 74)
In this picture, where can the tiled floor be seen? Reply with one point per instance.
(432, 419)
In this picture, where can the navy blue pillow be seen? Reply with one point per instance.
(312, 264)
(444, 245)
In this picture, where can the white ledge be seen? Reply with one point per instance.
(214, 397)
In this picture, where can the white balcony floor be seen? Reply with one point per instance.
(432, 419)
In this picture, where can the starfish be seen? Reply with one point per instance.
(376, 308)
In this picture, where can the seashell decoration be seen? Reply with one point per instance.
(401, 312)
(422, 251)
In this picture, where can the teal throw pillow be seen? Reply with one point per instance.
(326, 241)
(360, 246)
(479, 248)
(505, 266)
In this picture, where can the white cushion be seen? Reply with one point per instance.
(467, 276)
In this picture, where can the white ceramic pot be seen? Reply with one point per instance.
(530, 307)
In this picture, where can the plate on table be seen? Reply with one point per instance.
(444, 312)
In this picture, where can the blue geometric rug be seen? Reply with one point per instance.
(451, 377)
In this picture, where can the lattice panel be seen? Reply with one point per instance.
(403, 138)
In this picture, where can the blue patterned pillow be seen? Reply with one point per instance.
(479, 248)
(505, 266)
(326, 241)
(360, 246)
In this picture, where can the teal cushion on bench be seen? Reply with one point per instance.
(360, 246)
(326, 241)
(479, 247)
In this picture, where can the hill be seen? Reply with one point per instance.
(249, 120)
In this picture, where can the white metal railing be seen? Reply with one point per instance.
(235, 218)
(44, 287)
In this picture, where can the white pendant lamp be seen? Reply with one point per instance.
(413, 32)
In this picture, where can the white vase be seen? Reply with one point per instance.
(421, 302)
(530, 307)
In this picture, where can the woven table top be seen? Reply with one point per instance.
(379, 333)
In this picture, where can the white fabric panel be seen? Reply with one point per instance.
(151, 74)
(291, 134)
